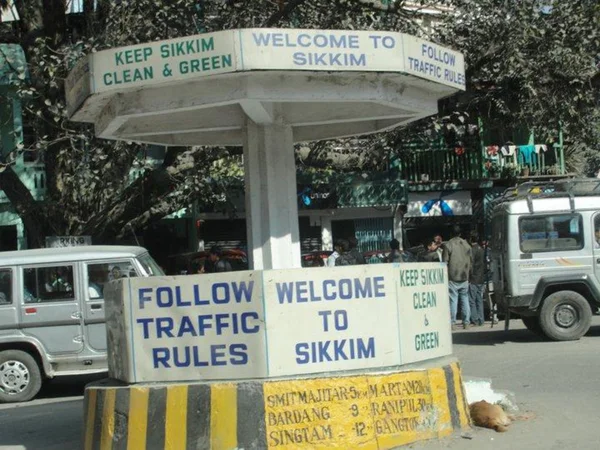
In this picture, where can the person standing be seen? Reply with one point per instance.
(457, 254)
(356, 254)
(476, 280)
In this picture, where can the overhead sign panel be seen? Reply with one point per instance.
(230, 51)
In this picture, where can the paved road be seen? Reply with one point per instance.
(557, 381)
(54, 421)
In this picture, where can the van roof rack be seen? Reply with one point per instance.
(575, 187)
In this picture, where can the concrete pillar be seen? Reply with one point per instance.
(271, 203)
(326, 234)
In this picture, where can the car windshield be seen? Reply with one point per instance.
(150, 266)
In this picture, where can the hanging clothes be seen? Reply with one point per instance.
(492, 150)
(541, 148)
(526, 152)
(508, 150)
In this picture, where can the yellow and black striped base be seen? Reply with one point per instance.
(366, 411)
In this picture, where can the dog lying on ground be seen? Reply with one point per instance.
(486, 415)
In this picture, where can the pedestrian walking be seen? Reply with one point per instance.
(457, 254)
(356, 254)
(476, 280)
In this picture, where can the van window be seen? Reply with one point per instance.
(100, 274)
(597, 231)
(48, 284)
(551, 233)
(5, 287)
(150, 266)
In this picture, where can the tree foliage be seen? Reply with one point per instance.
(89, 185)
(525, 67)
(530, 64)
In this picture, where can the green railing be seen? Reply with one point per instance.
(434, 160)
(440, 164)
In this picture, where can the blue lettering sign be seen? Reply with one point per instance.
(335, 350)
(192, 356)
(343, 289)
(193, 326)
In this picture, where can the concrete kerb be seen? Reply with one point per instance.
(368, 410)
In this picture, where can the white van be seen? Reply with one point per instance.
(546, 255)
(52, 312)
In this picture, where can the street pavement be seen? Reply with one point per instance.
(53, 421)
(555, 382)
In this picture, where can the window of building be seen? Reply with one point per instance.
(100, 274)
(560, 232)
(6, 297)
(48, 284)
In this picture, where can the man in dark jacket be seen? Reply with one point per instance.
(476, 280)
(457, 253)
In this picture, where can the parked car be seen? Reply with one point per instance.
(52, 312)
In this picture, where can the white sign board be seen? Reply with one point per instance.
(332, 319)
(230, 51)
(435, 203)
(259, 324)
(192, 327)
(67, 241)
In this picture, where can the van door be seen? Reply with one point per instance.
(96, 275)
(51, 308)
(8, 305)
(596, 242)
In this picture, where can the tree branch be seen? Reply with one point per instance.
(283, 13)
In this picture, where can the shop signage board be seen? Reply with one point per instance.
(67, 241)
(260, 324)
(438, 203)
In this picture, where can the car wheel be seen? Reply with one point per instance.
(533, 324)
(565, 316)
(20, 377)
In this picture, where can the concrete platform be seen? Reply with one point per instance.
(380, 410)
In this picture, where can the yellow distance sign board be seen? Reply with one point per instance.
(363, 412)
